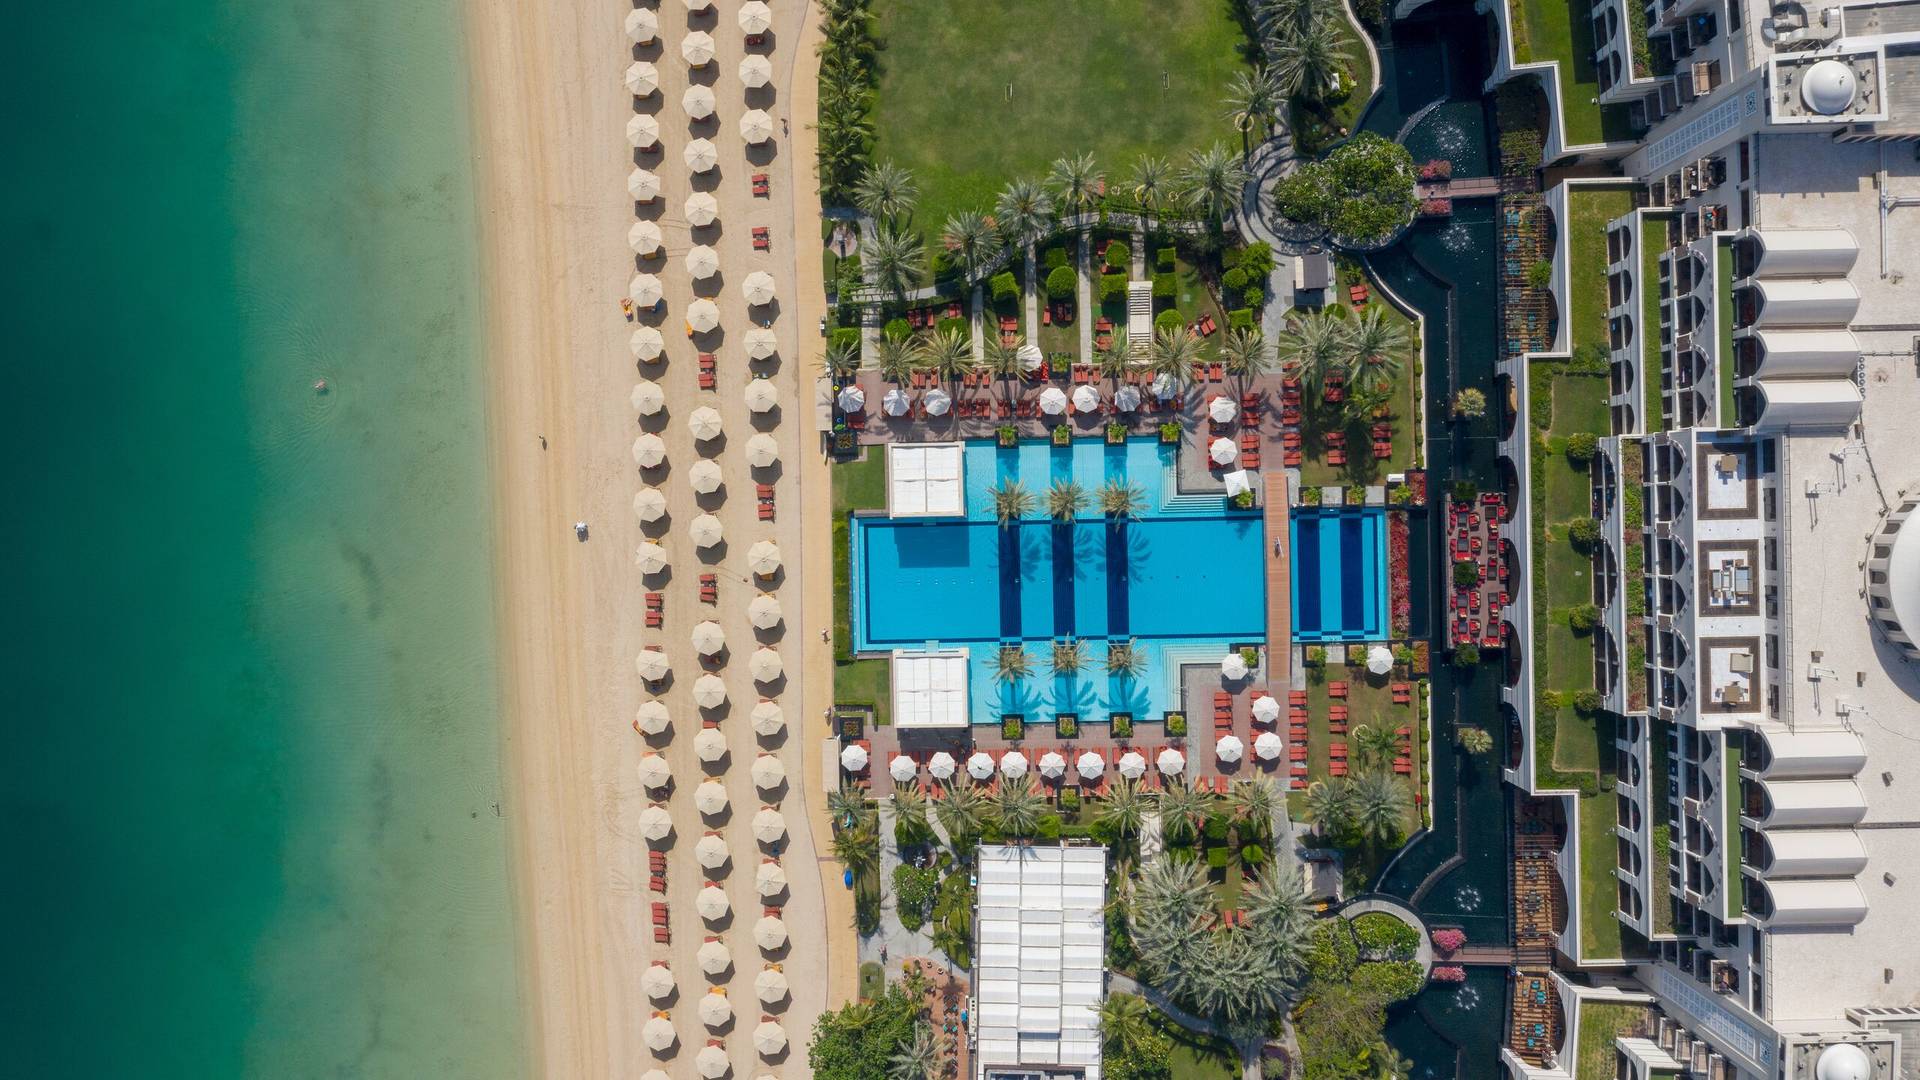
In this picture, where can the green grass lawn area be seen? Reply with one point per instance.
(1369, 701)
(1600, 937)
(1589, 210)
(1193, 1059)
(1736, 889)
(1562, 659)
(1600, 1024)
(1652, 235)
(1562, 31)
(857, 485)
(1360, 67)
(1114, 78)
(1319, 418)
(1723, 360)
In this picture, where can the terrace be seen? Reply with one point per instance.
(1561, 32)
(1652, 239)
(1600, 1024)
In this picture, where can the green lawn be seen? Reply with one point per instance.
(974, 93)
(1588, 211)
(857, 485)
(1359, 67)
(1723, 361)
(1599, 889)
(1653, 235)
(1736, 890)
(1562, 31)
(1318, 418)
(1600, 1024)
(1562, 575)
(1194, 1060)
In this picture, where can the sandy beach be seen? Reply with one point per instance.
(550, 112)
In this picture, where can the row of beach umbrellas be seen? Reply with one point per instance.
(700, 154)
(770, 986)
(649, 345)
(761, 396)
(1052, 764)
(768, 719)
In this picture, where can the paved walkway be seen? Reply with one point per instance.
(892, 940)
(1030, 299)
(1083, 262)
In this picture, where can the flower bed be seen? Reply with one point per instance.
(1449, 973)
(1399, 584)
(1446, 942)
(1417, 480)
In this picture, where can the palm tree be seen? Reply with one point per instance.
(1114, 359)
(1123, 501)
(949, 354)
(1314, 348)
(1065, 500)
(1012, 663)
(1278, 18)
(1330, 805)
(1183, 810)
(917, 1059)
(909, 811)
(897, 358)
(1362, 403)
(1254, 802)
(1124, 1022)
(1377, 350)
(1253, 100)
(1069, 656)
(858, 849)
(894, 259)
(1023, 209)
(1174, 352)
(960, 809)
(974, 241)
(1306, 59)
(1011, 501)
(842, 359)
(1124, 807)
(1388, 1063)
(1374, 744)
(1246, 354)
(1379, 806)
(1275, 898)
(1175, 890)
(1215, 179)
(1476, 740)
(1077, 182)
(1151, 185)
(1240, 980)
(886, 192)
(1003, 361)
(1126, 658)
(847, 806)
(1017, 806)
(1470, 403)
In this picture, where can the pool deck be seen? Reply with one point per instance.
(1278, 558)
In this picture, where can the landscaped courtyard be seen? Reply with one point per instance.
(1561, 31)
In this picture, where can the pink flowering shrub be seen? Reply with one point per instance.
(1448, 941)
(1450, 973)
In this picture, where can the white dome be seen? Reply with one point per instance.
(1843, 1061)
(1828, 87)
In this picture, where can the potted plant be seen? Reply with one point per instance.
(1061, 436)
(1008, 435)
(1012, 726)
(1066, 725)
(1170, 431)
(1310, 496)
(1116, 433)
(1243, 501)
(1176, 724)
(1120, 725)
(1250, 656)
(1356, 496)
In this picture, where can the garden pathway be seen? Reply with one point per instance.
(1085, 315)
(892, 938)
(978, 312)
(1031, 298)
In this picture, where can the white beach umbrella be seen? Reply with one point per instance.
(769, 825)
(698, 102)
(1379, 659)
(760, 343)
(702, 208)
(704, 423)
(756, 126)
(703, 315)
(705, 476)
(1268, 745)
(709, 638)
(1222, 451)
(702, 261)
(1233, 666)
(710, 746)
(711, 851)
(698, 5)
(643, 131)
(647, 397)
(1171, 761)
(650, 557)
(1132, 765)
(770, 932)
(940, 766)
(897, 402)
(657, 982)
(770, 879)
(1085, 398)
(936, 401)
(656, 823)
(763, 558)
(1229, 748)
(1053, 401)
(1090, 765)
(654, 772)
(712, 903)
(713, 956)
(649, 504)
(642, 78)
(701, 155)
(768, 718)
(651, 664)
(1013, 763)
(763, 612)
(769, 1038)
(655, 1074)
(1127, 398)
(851, 399)
(979, 766)
(1238, 481)
(1052, 765)
(770, 986)
(768, 773)
(643, 185)
(710, 797)
(762, 450)
(642, 25)
(697, 48)
(1164, 386)
(651, 717)
(646, 343)
(1222, 410)
(755, 16)
(709, 692)
(756, 71)
(761, 396)
(758, 287)
(714, 1009)
(1030, 356)
(649, 450)
(659, 1033)
(1266, 709)
(903, 768)
(644, 238)
(765, 665)
(853, 757)
(712, 1063)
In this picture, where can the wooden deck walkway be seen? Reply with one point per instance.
(1485, 955)
(1277, 554)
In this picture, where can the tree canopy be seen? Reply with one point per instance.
(1361, 193)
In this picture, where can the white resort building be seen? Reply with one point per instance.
(1039, 971)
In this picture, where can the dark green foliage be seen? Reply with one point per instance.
(1121, 726)
(1332, 952)
(1466, 655)
(1069, 800)
(1361, 192)
(1241, 318)
(1176, 725)
(1253, 854)
(899, 329)
(1256, 259)
(1581, 446)
(1164, 259)
(1235, 279)
(1383, 935)
(1253, 296)
(1066, 725)
(1540, 274)
(1062, 283)
(1465, 491)
(1582, 617)
(1393, 980)
(1170, 319)
(845, 336)
(1012, 728)
(914, 888)
(1587, 701)
(856, 1042)
(1005, 287)
(952, 326)
(1054, 258)
(1165, 287)
(1584, 532)
(1049, 827)
(1116, 256)
(1216, 828)
(1113, 287)
(1466, 574)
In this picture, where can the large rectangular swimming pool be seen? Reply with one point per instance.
(1339, 574)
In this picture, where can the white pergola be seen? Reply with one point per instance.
(1039, 964)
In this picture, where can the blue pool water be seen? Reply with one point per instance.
(1339, 574)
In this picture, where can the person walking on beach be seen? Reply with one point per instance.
(543, 442)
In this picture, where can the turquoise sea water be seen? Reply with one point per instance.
(250, 792)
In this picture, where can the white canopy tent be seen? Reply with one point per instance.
(930, 689)
(926, 479)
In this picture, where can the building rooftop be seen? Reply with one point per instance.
(1040, 963)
